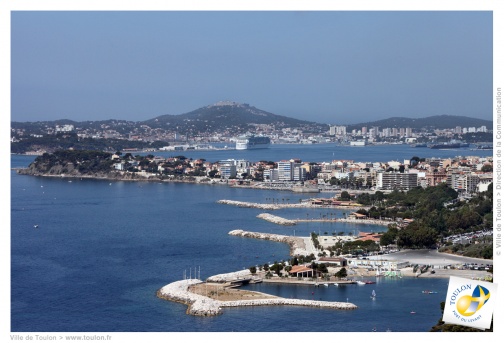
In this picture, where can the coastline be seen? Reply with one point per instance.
(221, 287)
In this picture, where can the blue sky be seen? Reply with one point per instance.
(335, 67)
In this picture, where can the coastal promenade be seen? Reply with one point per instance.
(199, 305)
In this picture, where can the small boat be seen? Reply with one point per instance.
(373, 295)
(361, 282)
(35, 226)
(326, 284)
(336, 284)
(412, 312)
(367, 282)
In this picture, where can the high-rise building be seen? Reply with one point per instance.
(337, 130)
(399, 181)
(285, 170)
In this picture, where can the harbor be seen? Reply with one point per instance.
(208, 298)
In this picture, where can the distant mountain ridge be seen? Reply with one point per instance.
(227, 114)
(439, 122)
(236, 117)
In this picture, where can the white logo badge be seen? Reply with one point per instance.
(470, 303)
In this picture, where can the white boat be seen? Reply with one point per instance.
(373, 295)
(252, 142)
(336, 284)
(361, 282)
(326, 284)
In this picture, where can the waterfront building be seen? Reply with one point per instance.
(303, 271)
(285, 170)
(271, 175)
(298, 173)
(227, 168)
(334, 261)
(382, 265)
(358, 143)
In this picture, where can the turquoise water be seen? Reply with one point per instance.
(102, 250)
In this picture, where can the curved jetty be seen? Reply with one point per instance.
(198, 305)
(204, 306)
(276, 219)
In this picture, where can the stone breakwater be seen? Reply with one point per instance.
(265, 206)
(249, 204)
(199, 305)
(296, 244)
(241, 274)
(276, 219)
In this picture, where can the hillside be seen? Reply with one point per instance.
(439, 122)
(227, 115)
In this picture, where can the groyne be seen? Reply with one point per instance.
(249, 204)
(199, 305)
(276, 219)
(297, 244)
(277, 206)
(283, 221)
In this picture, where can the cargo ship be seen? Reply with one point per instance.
(252, 142)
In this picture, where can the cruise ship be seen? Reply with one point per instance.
(252, 142)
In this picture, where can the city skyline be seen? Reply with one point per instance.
(323, 66)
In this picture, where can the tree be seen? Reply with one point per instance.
(341, 273)
(345, 196)
(277, 268)
(487, 168)
(253, 270)
(212, 173)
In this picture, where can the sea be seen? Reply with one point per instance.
(89, 255)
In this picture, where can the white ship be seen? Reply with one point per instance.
(252, 142)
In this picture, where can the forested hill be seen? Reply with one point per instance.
(229, 115)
